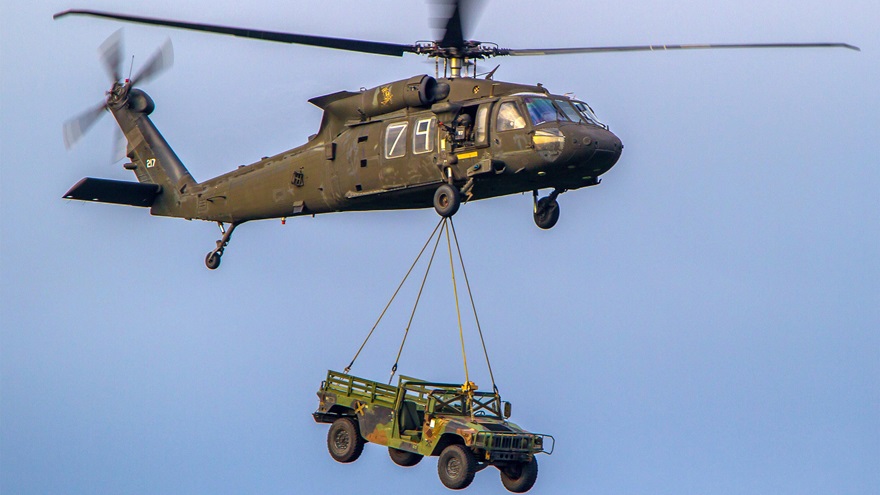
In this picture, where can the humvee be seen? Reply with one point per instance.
(466, 428)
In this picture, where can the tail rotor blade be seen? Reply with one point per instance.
(160, 61)
(111, 55)
(76, 127)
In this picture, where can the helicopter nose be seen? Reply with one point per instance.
(596, 149)
(608, 148)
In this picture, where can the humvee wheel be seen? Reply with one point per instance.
(404, 458)
(456, 467)
(546, 213)
(447, 199)
(344, 440)
(519, 477)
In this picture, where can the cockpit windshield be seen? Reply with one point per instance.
(543, 110)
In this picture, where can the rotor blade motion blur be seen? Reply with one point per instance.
(111, 58)
(111, 55)
(75, 128)
(159, 62)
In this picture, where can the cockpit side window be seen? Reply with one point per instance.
(509, 117)
(543, 110)
(587, 112)
(569, 111)
(481, 134)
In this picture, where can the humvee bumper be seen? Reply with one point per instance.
(512, 446)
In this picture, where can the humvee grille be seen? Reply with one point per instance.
(509, 442)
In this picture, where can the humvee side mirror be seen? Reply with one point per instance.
(506, 409)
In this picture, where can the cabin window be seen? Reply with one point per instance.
(481, 134)
(509, 117)
(423, 136)
(395, 140)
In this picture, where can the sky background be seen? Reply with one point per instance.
(704, 321)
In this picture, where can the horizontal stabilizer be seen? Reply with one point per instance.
(118, 192)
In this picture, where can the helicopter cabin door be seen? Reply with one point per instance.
(512, 141)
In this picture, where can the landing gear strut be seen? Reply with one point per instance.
(212, 260)
(546, 209)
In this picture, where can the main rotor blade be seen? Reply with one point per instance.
(652, 48)
(76, 127)
(111, 55)
(160, 61)
(455, 20)
(362, 46)
(453, 33)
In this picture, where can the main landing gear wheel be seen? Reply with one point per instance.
(546, 213)
(447, 199)
(457, 467)
(546, 209)
(520, 477)
(344, 441)
(404, 458)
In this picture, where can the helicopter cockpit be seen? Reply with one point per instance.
(544, 109)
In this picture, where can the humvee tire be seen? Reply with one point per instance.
(344, 440)
(457, 467)
(520, 477)
(404, 458)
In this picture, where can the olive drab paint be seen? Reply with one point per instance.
(364, 156)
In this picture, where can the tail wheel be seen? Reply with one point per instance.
(447, 199)
(520, 477)
(546, 213)
(212, 260)
(457, 467)
(344, 440)
(404, 458)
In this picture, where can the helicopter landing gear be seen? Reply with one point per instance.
(447, 199)
(212, 260)
(546, 209)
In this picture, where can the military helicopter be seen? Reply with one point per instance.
(414, 143)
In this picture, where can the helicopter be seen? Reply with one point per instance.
(414, 143)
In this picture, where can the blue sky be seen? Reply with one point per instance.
(704, 321)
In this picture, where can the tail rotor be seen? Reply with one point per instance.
(111, 51)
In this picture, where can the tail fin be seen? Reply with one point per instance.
(152, 159)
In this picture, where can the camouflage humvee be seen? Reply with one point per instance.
(465, 427)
